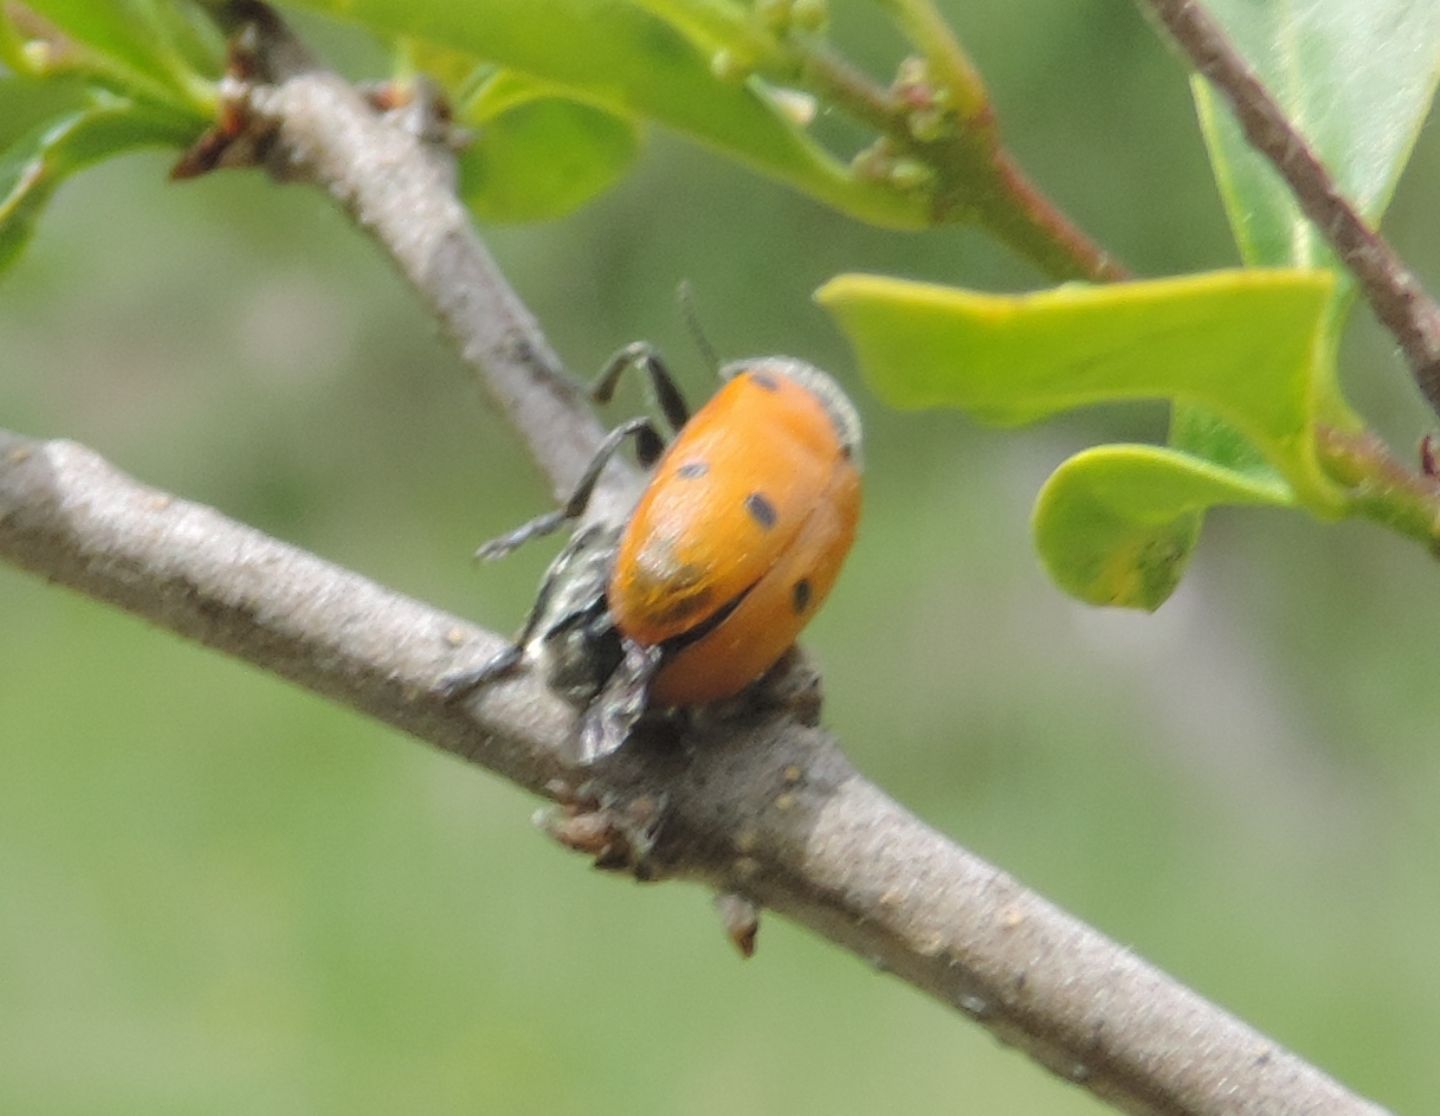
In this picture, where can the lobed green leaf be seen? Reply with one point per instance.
(1244, 343)
(1115, 525)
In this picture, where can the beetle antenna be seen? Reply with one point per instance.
(691, 314)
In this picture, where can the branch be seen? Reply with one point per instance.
(817, 843)
(1395, 295)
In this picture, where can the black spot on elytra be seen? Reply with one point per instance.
(765, 380)
(800, 595)
(761, 510)
(692, 469)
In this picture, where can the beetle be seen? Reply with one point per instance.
(732, 546)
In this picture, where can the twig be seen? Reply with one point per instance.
(1395, 295)
(976, 177)
(814, 841)
(1381, 488)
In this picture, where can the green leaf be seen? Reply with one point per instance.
(1245, 344)
(622, 58)
(27, 102)
(1356, 76)
(537, 155)
(715, 25)
(34, 165)
(1115, 525)
(160, 50)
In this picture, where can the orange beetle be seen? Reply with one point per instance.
(732, 547)
(741, 531)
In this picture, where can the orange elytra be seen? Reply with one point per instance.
(741, 531)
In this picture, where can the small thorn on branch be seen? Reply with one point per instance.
(741, 919)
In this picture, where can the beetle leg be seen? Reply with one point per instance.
(463, 683)
(642, 354)
(646, 439)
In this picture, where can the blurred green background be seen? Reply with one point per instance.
(219, 894)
